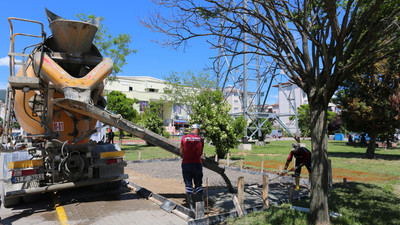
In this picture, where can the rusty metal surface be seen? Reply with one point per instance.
(73, 37)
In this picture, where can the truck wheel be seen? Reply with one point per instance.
(9, 202)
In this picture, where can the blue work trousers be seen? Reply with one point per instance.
(192, 172)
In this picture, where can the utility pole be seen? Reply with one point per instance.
(245, 69)
(258, 108)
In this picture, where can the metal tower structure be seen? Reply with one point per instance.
(249, 75)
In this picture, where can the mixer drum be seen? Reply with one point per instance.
(62, 65)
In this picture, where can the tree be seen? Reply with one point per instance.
(118, 103)
(335, 124)
(317, 43)
(365, 100)
(216, 124)
(183, 89)
(152, 118)
(115, 47)
(304, 118)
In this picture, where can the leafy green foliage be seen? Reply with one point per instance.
(216, 124)
(365, 100)
(152, 118)
(116, 47)
(183, 89)
(266, 128)
(304, 119)
(118, 103)
(336, 125)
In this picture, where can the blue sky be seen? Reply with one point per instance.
(151, 58)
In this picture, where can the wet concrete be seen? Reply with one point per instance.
(219, 199)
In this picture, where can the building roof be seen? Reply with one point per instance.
(141, 78)
(284, 84)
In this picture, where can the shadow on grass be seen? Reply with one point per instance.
(365, 204)
(363, 155)
(356, 153)
(237, 157)
(358, 203)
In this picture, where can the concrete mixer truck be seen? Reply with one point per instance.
(56, 153)
(56, 96)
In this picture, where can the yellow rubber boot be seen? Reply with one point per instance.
(297, 179)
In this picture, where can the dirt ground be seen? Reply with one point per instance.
(165, 186)
(165, 178)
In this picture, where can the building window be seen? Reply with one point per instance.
(189, 108)
(235, 109)
(177, 109)
(143, 105)
(130, 88)
(152, 90)
(236, 101)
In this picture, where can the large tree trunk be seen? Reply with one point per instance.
(371, 145)
(319, 213)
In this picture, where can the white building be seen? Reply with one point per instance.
(147, 89)
(290, 97)
(233, 96)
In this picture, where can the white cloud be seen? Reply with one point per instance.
(5, 61)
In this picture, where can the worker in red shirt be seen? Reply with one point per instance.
(303, 158)
(192, 170)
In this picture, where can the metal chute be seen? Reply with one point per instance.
(72, 37)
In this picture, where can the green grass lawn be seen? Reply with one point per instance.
(373, 200)
(385, 168)
(146, 152)
(359, 203)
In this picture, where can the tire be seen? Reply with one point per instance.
(274, 136)
(9, 202)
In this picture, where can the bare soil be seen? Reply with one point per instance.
(165, 178)
(337, 173)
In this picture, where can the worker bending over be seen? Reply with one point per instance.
(192, 170)
(303, 158)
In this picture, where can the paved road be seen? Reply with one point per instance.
(85, 206)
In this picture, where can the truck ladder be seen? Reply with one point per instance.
(18, 82)
(139, 131)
